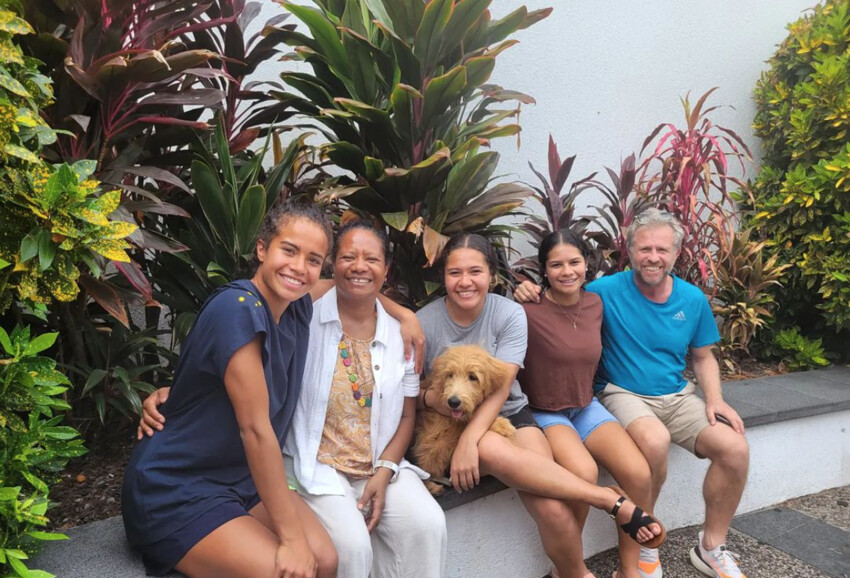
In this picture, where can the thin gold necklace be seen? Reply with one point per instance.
(574, 322)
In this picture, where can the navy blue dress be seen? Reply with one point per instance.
(192, 477)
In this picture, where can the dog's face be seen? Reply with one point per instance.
(464, 376)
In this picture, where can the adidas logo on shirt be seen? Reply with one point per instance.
(680, 316)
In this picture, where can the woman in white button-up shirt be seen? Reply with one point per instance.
(355, 420)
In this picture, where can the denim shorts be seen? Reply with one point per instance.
(582, 420)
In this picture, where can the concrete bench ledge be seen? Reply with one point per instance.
(797, 428)
(759, 401)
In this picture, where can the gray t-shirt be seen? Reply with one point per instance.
(501, 329)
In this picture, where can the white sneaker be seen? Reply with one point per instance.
(719, 562)
(649, 566)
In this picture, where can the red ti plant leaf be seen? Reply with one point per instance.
(107, 297)
(137, 279)
(195, 124)
(243, 140)
(554, 160)
(687, 174)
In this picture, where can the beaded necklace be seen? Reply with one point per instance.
(363, 400)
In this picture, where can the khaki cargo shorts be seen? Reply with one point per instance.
(683, 413)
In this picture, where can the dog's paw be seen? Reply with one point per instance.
(434, 488)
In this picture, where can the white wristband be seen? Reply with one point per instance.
(392, 466)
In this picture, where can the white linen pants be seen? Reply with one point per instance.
(409, 541)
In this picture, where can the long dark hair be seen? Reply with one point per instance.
(561, 237)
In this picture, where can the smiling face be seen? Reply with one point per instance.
(653, 253)
(566, 270)
(359, 266)
(290, 262)
(467, 278)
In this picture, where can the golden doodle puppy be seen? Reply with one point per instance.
(464, 376)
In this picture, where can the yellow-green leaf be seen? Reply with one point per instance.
(88, 215)
(107, 202)
(111, 249)
(118, 230)
(20, 152)
(12, 85)
(397, 221)
(16, 26)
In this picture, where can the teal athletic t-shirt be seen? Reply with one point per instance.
(644, 343)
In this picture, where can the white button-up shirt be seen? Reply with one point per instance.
(395, 379)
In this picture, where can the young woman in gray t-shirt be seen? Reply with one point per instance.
(469, 314)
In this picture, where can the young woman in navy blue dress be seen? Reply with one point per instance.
(204, 495)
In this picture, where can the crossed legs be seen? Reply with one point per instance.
(528, 467)
(610, 446)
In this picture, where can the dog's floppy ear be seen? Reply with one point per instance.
(496, 373)
(436, 378)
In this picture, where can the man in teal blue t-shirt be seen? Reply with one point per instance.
(651, 321)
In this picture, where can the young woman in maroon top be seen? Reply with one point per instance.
(564, 347)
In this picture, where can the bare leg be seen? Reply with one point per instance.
(725, 480)
(653, 441)
(559, 522)
(240, 548)
(534, 473)
(612, 447)
(317, 537)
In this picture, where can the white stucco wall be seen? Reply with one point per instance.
(605, 73)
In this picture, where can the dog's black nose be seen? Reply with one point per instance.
(454, 402)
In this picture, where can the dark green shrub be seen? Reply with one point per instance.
(800, 202)
(798, 352)
(34, 447)
(53, 224)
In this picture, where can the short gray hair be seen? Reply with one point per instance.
(653, 217)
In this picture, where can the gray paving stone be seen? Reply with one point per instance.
(757, 559)
(791, 396)
(839, 373)
(831, 506)
(768, 524)
(804, 537)
(775, 401)
(96, 550)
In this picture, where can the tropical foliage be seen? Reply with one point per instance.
(232, 194)
(686, 174)
(137, 84)
(52, 222)
(744, 301)
(692, 183)
(400, 89)
(559, 207)
(34, 446)
(799, 352)
(800, 202)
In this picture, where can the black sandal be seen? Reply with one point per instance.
(640, 519)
